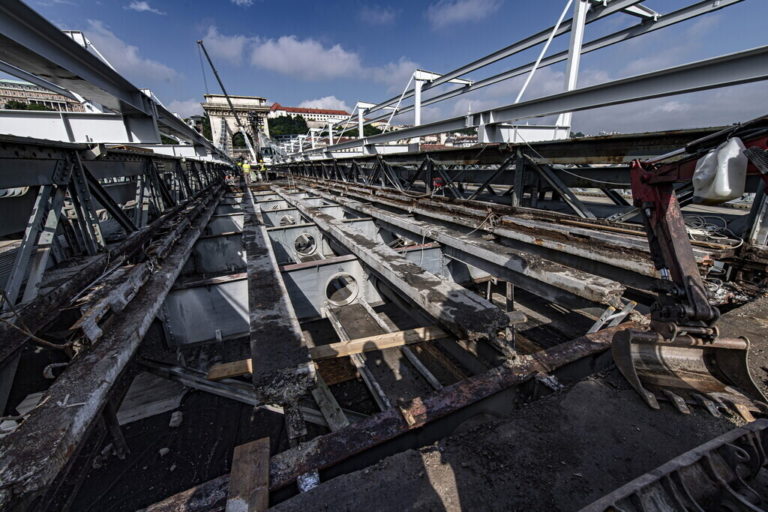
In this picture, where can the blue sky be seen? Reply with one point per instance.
(334, 53)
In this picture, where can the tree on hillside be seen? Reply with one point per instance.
(369, 130)
(238, 140)
(287, 125)
(20, 105)
(207, 128)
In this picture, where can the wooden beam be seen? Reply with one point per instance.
(328, 405)
(249, 477)
(377, 342)
(330, 449)
(229, 370)
(341, 349)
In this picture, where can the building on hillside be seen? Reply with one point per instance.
(31, 94)
(315, 117)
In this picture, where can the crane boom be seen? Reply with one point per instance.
(229, 102)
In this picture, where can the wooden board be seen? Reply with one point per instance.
(328, 405)
(341, 349)
(229, 370)
(249, 477)
(377, 342)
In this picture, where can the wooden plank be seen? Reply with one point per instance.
(377, 342)
(328, 405)
(249, 477)
(341, 349)
(229, 370)
(330, 449)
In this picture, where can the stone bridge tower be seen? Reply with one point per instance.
(252, 111)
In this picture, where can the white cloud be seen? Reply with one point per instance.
(229, 48)
(185, 108)
(126, 58)
(327, 102)
(449, 12)
(305, 59)
(684, 48)
(141, 6)
(243, 3)
(56, 2)
(709, 108)
(393, 74)
(376, 15)
(464, 106)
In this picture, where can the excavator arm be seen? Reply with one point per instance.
(682, 358)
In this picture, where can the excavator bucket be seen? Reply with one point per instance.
(689, 371)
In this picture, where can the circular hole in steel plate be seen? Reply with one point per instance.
(341, 289)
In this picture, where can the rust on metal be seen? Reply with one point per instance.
(330, 449)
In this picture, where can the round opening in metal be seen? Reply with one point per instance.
(341, 289)
(287, 220)
(305, 244)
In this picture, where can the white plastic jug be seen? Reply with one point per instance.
(721, 174)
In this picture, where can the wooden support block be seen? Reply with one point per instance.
(249, 477)
(377, 342)
(229, 370)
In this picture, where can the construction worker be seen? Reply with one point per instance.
(247, 171)
(262, 170)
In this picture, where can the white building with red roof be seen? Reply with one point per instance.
(315, 117)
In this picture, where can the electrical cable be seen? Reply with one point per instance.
(715, 232)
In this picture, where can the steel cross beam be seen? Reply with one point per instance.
(462, 312)
(737, 68)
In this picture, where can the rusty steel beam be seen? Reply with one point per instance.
(32, 456)
(513, 265)
(35, 315)
(465, 314)
(610, 149)
(331, 449)
(618, 245)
